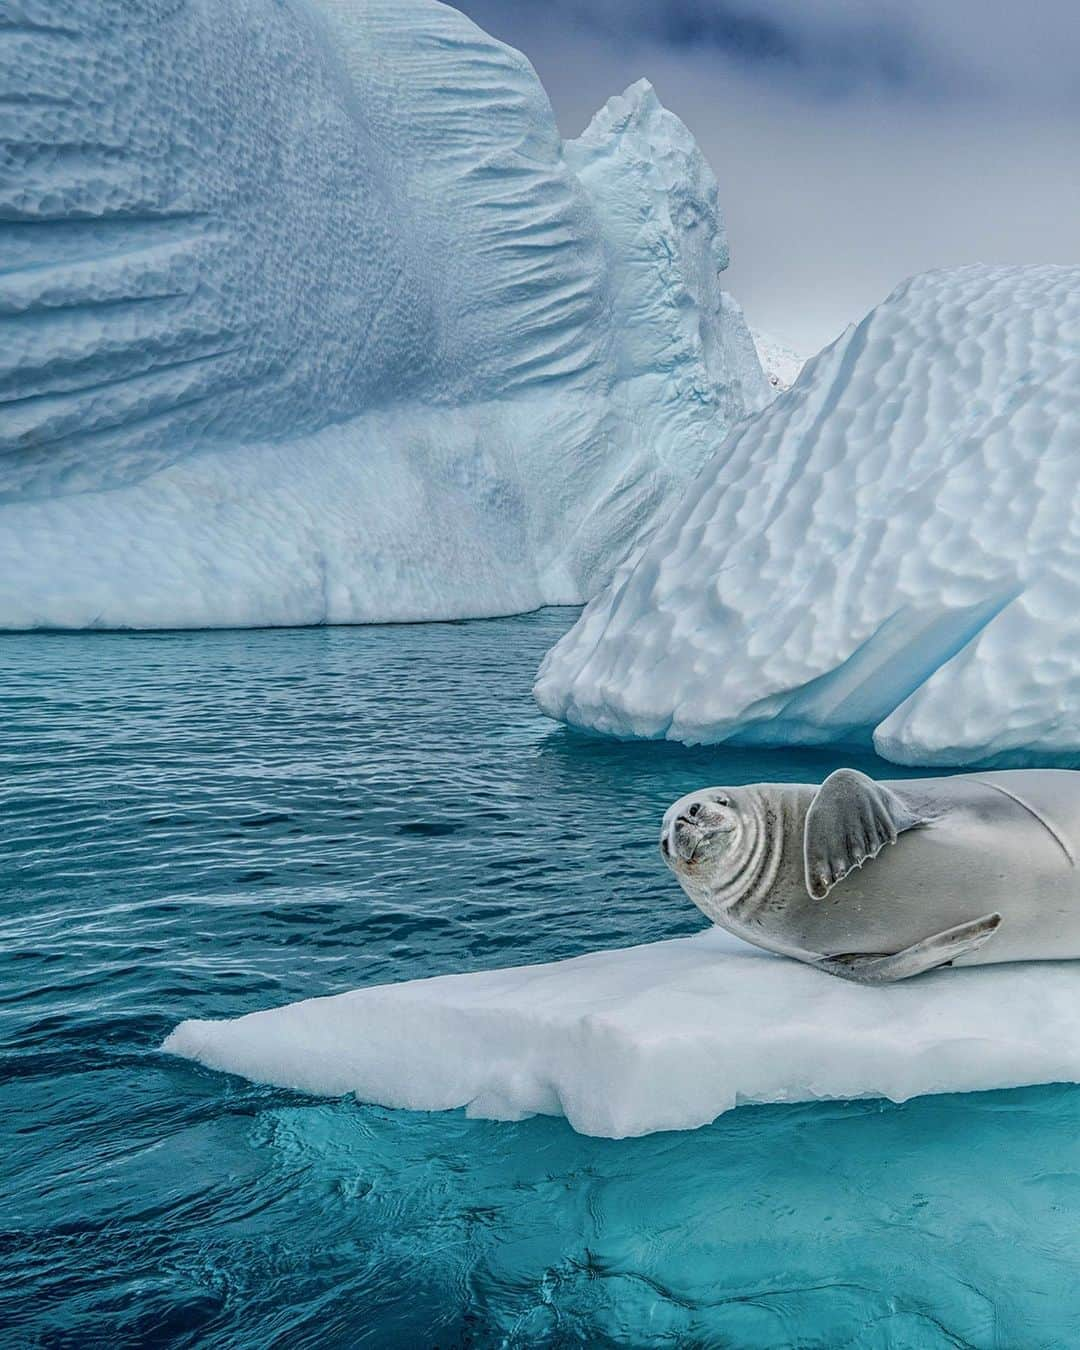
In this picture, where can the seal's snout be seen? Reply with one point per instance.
(684, 840)
(680, 839)
(694, 826)
(679, 842)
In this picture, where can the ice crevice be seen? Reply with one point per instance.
(880, 675)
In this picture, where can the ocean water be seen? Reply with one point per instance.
(201, 824)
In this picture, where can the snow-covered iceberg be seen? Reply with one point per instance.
(309, 316)
(891, 549)
(665, 1036)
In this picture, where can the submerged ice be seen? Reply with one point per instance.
(891, 549)
(310, 316)
(665, 1036)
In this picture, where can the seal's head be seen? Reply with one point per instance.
(712, 840)
(700, 830)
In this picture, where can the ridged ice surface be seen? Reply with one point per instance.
(892, 548)
(205, 824)
(307, 318)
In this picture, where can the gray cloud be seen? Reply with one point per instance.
(855, 142)
(956, 48)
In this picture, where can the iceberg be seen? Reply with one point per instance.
(888, 552)
(311, 317)
(665, 1036)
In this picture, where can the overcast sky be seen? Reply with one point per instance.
(855, 141)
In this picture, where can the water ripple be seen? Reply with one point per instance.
(203, 824)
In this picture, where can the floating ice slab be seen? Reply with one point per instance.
(891, 547)
(665, 1036)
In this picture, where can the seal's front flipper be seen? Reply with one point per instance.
(932, 952)
(850, 820)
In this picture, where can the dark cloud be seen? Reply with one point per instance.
(834, 55)
(966, 48)
(855, 141)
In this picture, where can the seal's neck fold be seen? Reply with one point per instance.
(768, 821)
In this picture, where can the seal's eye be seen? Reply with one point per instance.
(693, 809)
(721, 799)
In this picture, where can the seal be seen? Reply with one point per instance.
(878, 881)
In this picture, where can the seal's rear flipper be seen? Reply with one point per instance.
(850, 821)
(932, 952)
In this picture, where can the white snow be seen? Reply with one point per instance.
(892, 547)
(780, 362)
(310, 316)
(665, 1036)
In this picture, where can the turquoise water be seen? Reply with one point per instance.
(203, 824)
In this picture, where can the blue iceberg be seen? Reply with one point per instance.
(889, 552)
(311, 317)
